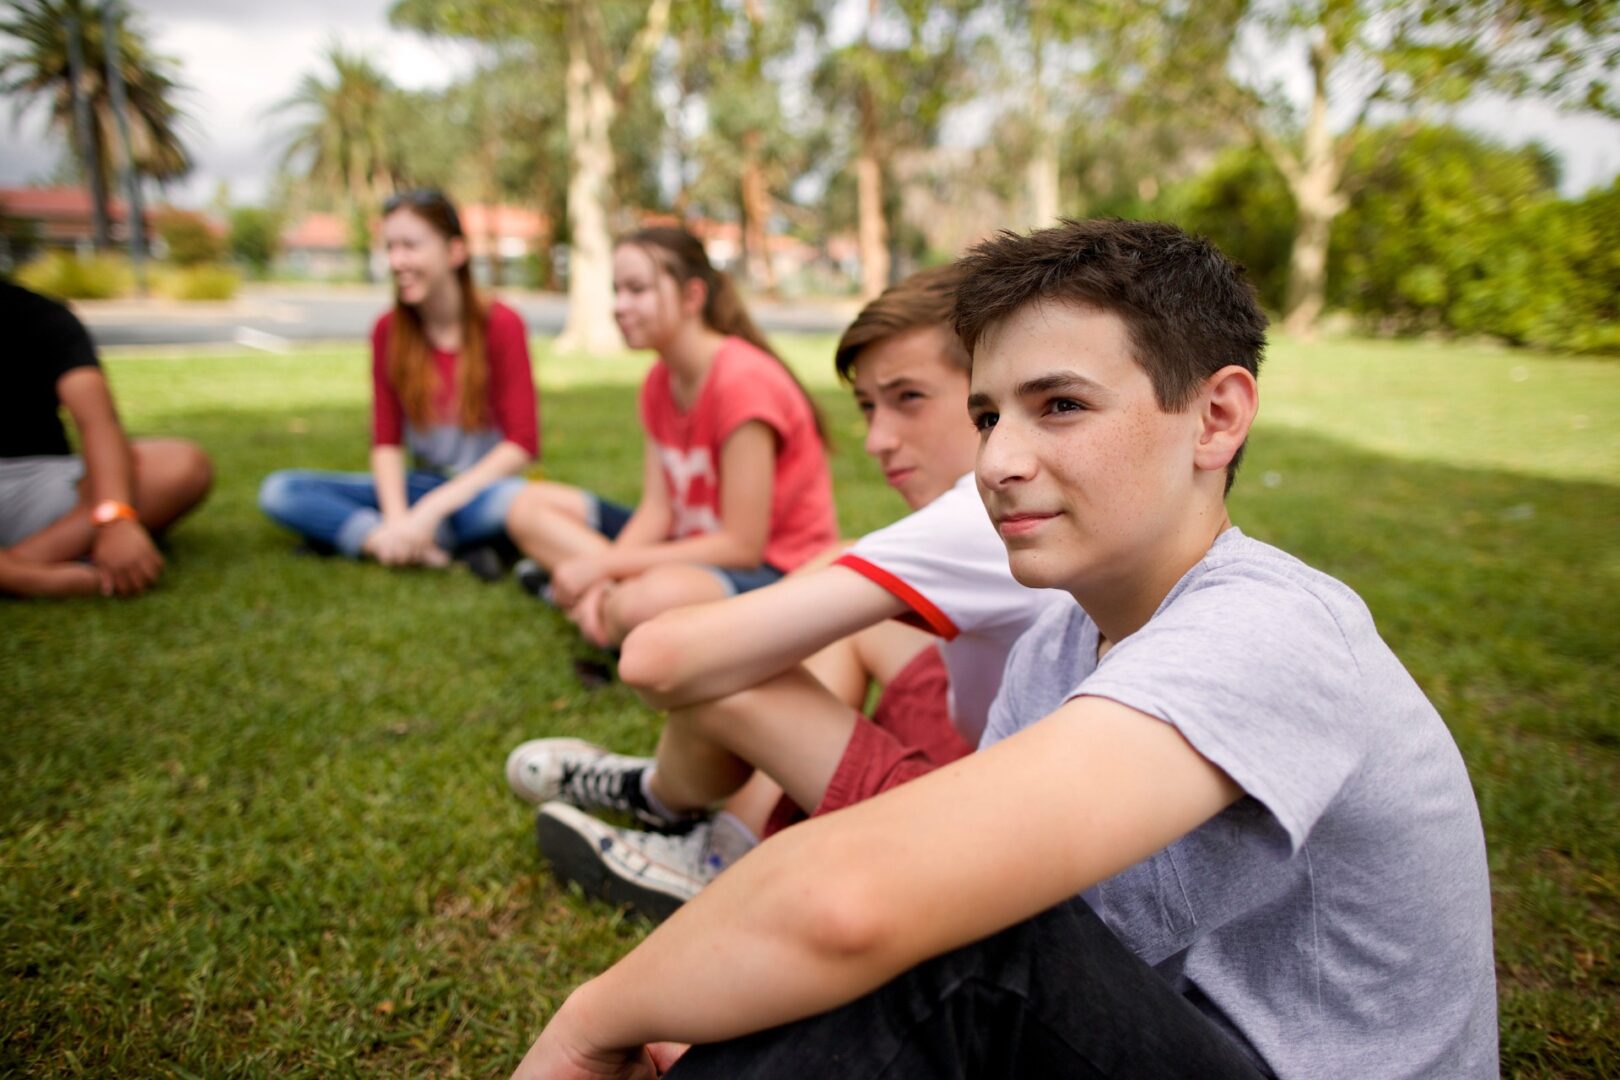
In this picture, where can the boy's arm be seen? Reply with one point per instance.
(838, 905)
(707, 651)
(122, 551)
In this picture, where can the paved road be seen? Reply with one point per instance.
(273, 318)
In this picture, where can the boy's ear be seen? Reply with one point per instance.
(1227, 407)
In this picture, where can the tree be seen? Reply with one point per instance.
(901, 72)
(255, 237)
(730, 58)
(1363, 56)
(37, 70)
(608, 46)
(343, 142)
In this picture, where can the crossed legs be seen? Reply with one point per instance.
(552, 523)
(171, 476)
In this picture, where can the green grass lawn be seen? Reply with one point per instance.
(254, 823)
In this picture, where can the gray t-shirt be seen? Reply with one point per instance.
(1337, 919)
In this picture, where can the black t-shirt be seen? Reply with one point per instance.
(47, 341)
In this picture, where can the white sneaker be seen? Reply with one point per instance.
(650, 873)
(580, 773)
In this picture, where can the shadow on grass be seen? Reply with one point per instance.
(254, 824)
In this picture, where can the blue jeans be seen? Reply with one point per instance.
(340, 509)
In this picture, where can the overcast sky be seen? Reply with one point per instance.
(241, 56)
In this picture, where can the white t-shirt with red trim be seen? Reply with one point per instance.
(948, 565)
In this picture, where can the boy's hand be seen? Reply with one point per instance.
(563, 1053)
(125, 558)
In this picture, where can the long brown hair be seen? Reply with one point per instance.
(680, 254)
(410, 366)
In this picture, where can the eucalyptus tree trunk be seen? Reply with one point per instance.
(756, 204)
(590, 108)
(1314, 184)
(872, 230)
(1041, 173)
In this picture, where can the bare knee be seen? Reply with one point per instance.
(542, 502)
(172, 476)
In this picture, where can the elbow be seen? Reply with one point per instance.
(840, 927)
(845, 912)
(649, 661)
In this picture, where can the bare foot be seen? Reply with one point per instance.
(436, 557)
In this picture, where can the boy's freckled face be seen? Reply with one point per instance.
(1084, 475)
(915, 404)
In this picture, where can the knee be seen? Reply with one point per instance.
(278, 492)
(525, 510)
(194, 472)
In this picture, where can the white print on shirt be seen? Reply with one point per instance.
(694, 468)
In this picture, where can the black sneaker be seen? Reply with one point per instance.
(533, 579)
(484, 561)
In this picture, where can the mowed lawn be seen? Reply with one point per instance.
(254, 823)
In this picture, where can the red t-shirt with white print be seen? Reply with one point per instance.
(744, 383)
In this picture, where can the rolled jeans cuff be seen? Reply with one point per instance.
(351, 535)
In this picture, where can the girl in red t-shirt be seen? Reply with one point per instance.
(735, 487)
(452, 385)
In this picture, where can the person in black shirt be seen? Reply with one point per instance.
(78, 524)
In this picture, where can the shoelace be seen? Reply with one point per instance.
(588, 786)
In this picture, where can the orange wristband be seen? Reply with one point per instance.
(108, 511)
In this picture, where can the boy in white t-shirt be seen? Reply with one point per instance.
(1215, 829)
(773, 680)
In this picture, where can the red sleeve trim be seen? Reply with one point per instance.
(936, 620)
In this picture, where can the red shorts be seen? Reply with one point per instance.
(910, 733)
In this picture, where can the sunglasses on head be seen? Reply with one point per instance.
(425, 198)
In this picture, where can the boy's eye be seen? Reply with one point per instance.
(1065, 405)
(865, 407)
(911, 395)
(984, 421)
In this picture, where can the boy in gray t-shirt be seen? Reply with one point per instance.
(1336, 919)
(1214, 828)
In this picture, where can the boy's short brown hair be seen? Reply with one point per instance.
(926, 298)
(1188, 310)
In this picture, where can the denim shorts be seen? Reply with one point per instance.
(609, 518)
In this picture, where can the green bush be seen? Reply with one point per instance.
(208, 281)
(1242, 204)
(68, 277)
(255, 237)
(190, 238)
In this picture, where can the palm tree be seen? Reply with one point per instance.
(343, 143)
(36, 69)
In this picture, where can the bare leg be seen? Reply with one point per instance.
(792, 727)
(171, 477)
(547, 521)
(638, 599)
(21, 578)
(846, 667)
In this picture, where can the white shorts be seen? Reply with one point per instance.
(35, 491)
